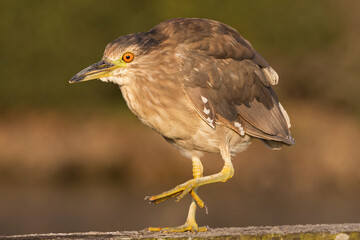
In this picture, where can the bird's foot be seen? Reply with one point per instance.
(189, 226)
(189, 187)
(180, 191)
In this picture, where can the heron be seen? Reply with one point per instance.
(204, 88)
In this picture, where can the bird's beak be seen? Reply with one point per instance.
(97, 70)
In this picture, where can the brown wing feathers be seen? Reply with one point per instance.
(232, 87)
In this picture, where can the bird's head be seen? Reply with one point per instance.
(163, 49)
(124, 57)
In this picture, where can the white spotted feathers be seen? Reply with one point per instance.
(206, 111)
(204, 99)
(208, 115)
(272, 75)
(240, 127)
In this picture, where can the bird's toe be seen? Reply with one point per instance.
(180, 191)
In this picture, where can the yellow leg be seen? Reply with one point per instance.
(190, 224)
(187, 187)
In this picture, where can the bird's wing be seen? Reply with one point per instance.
(223, 42)
(235, 92)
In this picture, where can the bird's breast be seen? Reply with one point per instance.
(166, 110)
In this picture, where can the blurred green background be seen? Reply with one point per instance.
(73, 157)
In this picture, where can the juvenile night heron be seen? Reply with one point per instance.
(203, 87)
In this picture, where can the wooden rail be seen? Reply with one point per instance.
(295, 232)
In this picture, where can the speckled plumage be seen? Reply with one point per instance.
(203, 87)
(183, 60)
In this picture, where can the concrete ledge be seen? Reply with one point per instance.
(349, 231)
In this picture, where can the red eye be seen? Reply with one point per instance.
(128, 57)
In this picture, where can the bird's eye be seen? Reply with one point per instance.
(128, 57)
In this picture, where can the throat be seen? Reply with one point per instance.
(114, 79)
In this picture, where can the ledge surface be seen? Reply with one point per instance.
(350, 231)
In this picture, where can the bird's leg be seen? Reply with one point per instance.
(190, 224)
(183, 189)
